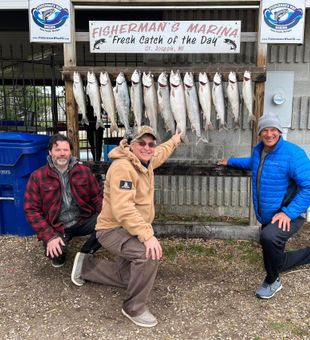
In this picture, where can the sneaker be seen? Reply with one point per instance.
(146, 319)
(58, 261)
(268, 290)
(77, 269)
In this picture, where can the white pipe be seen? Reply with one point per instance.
(308, 214)
(103, 7)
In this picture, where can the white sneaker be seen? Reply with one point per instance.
(77, 269)
(146, 319)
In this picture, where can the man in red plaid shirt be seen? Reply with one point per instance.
(62, 200)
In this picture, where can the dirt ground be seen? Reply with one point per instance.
(204, 290)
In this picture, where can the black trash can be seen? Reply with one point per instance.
(20, 155)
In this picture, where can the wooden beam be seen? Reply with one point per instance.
(261, 61)
(162, 3)
(71, 109)
(258, 73)
(185, 168)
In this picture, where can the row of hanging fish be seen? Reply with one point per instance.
(175, 99)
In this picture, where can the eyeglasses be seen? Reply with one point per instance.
(143, 144)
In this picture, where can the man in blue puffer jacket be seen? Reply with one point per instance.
(281, 194)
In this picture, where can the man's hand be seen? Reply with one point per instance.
(284, 221)
(178, 136)
(222, 162)
(54, 247)
(153, 249)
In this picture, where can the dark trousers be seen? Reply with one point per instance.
(276, 260)
(132, 270)
(86, 228)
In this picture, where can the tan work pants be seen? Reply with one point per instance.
(132, 270)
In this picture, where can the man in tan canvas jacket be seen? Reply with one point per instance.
(124, 224)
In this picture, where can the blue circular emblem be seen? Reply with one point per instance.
(50, 16)
(282, 16)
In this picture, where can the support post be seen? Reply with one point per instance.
(259, 92)
(71, 109)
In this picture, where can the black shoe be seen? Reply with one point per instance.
(58, 261)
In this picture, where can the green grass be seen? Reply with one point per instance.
(172, 250)
(288, 327)
(202, 250)
(250, 251)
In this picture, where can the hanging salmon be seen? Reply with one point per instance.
(122, 100)
(192, 106)
(107, 98)
(92, 90)
(163, 95)
(79, 96)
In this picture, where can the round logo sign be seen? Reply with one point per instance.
(282, 17)
(50, 16)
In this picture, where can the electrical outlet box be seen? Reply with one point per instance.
(278, 98)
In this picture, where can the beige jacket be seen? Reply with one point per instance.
(129, 190)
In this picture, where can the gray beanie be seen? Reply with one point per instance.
(269, 120)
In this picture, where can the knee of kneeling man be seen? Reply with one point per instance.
(265, 237)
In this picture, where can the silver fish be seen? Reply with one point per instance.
(163, 95)
(136, 93)
(218, 99)
(204, 95)
(150, 99)
(92, 90)
(79, 95)
(122, 100)
(247, 94)
(177, 102)
(233, 96)
(192, 105)
(107, 98)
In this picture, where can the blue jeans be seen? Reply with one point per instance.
(276, 260)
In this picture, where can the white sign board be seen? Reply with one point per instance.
(164, 36)
(49, 21)
(282, 21)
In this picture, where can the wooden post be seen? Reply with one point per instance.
(71, 109)
(261, 61)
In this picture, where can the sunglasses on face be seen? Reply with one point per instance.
(143, 144)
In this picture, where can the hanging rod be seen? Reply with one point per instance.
(176, 7)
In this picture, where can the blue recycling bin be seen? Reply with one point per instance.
(20, 155)
(106, 149)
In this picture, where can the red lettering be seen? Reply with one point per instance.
(192, 28)
(132, 28)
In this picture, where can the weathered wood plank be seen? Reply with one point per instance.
(258, 73)
(71, 108)
(207, 230)
(181, 169)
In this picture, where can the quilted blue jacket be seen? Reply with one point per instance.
(284, 181)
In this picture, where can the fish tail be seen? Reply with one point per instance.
(223, 126)
(236, 124)
(99, 124)
(84, 121)
(251, 118)
(113, 127)
(185, 139)
(202, 139)
(209, 126)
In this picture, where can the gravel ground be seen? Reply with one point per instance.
(204, 290)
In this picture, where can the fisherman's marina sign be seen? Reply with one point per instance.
(164, 36)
